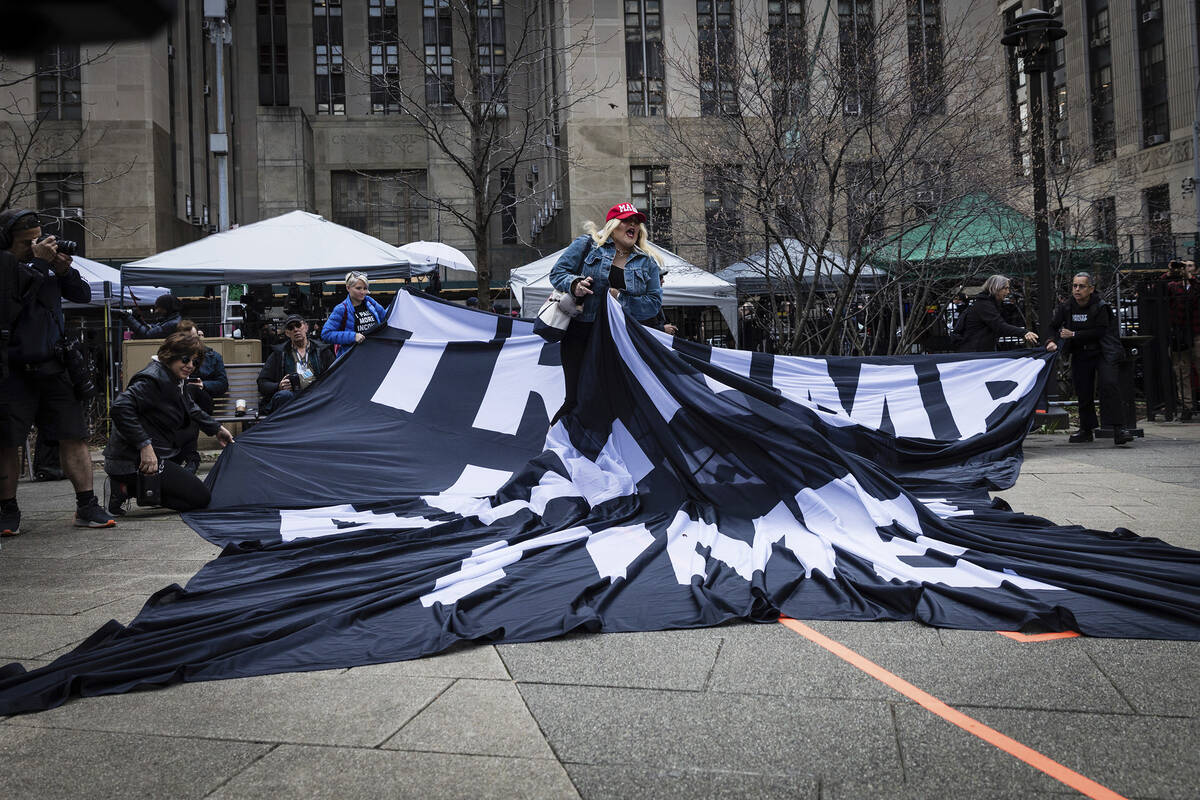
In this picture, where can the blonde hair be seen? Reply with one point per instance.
(354, 277)
(602, 235)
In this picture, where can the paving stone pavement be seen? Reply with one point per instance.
(730, 712)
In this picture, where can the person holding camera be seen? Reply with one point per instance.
(154, 420)
(292, 366)
(168, 312)
(44, 386)
(207, 381)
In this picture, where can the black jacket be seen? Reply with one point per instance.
(154, 409)
(211, 372)
(984, 325)
(159, 330)
(39, 324)
(281, 362)
(1095, 328)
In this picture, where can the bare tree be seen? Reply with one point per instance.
(838, 131)
(45, 136)
(491, 109)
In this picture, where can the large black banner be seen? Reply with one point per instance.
(413, 499)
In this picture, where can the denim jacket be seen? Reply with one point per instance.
(642, 297)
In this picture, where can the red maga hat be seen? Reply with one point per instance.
(625, 211)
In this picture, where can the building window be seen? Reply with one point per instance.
(1018, 95)
(1158, 223)
(722, 216)
(1104, 134)
(1104, 213)
(508, 207)
(60, 203)
(925, 56)
(1152, 56)
(856, 55)
(439, 53)
(787, 42)
(492, 55)
(272, 53)
(1056, 91)
(58, 83)
(652, 196)
(644, 58)
(387, 204)
(718, 58)
(864, 214)
(327, 56)
(383, 39)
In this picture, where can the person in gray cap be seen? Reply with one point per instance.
(292, 366)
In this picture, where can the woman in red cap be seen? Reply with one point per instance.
(617, 258)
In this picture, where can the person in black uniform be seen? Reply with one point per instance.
(985, 323)
(1086, 328)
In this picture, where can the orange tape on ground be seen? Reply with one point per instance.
(1038, 637)
(1033, 758)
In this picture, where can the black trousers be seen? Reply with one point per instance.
(181, 490)
(572, 350)
(1088, 369)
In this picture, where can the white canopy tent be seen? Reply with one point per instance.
(438, 254)
(97, 274)
(296, 246)
(683, 285)
(751, 274)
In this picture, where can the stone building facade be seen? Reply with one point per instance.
(312, 126)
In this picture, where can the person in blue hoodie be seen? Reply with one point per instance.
(353, 318)
(617, 258)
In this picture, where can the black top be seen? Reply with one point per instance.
(616, 278)
(154, 409)
(1095, 329)
(984, 325)
(364, 320)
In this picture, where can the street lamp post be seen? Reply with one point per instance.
(1033, 34)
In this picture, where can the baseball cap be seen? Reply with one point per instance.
(292, 318)
(625, 211)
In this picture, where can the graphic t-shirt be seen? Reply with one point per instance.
(364, 320)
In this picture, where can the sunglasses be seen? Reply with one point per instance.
(191, 360)
(295, 326)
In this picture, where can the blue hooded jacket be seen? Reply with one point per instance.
(339, 328)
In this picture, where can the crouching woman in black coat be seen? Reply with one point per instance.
(153, 421)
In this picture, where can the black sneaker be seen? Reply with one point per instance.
(1080, 436)
(1121, 436)
(93, 516)
(116, 503)
(10, 522)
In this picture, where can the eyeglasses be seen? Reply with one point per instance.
(191, 360)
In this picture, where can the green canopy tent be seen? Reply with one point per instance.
(978, 232)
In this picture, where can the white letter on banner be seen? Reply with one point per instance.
(410, 374)
(964, 383)
(806, 381)
(897, 384)
(517, 375)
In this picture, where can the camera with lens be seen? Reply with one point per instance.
(75, 359)
(67, 247)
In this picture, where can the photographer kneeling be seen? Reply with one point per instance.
(153, 421)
